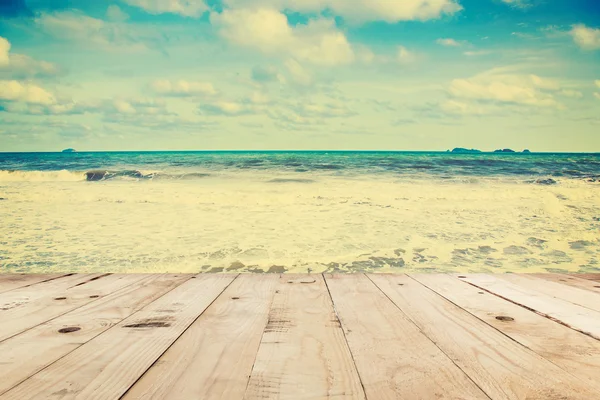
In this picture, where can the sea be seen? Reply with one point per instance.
(299, 211)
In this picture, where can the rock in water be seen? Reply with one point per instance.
(462, 150)
(96, 175)
(69, 150)
(548, 181)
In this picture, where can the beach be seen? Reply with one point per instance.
(269, 216)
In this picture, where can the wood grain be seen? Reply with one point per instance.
(213, 358)
(571, 280)
(501, 367)
(581, 297)
(15, 281)
(592, 277)
(394, 359)
(29, 352)
(573, 352)
(303, 353)
(39, 308)
(574, 316)
(106, 367)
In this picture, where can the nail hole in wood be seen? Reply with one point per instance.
(69, 329)
(60, 298)
(401, 284)
(235, 298)
(481, 292)
(597, 287)
(462, 276)
(503, 318)
(94, 296)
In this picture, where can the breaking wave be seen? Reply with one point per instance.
(93, 175)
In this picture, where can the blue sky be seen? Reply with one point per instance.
(299, 74)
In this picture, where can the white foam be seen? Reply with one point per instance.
(41, 176)
(180, 225)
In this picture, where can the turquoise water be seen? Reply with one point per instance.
(177, 165)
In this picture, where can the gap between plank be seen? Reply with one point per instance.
(92, 338)
(262, 335)
(185, 330)
(344, 334)
(493, 327)
(74, 309)
(551, 318)
(428, 338)
(35, 283)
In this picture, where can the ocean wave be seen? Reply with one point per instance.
(93, 175)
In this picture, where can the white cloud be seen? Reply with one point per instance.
(448, 42)
(267, 30)
(298, 74)
(507, 88)
(575, 94)
(228, 108)
(361, 10)
(75, 26)
(11, 90)
(18, 66)
(4, 49)
(518, 3)
(266, 74)
(404, 56)
(187, 8)
(183, 88)
(477, 53)
(461, 108)
(114, 13)
(586, 38)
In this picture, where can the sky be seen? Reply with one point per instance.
(299, 74)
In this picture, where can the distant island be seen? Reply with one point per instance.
(461, 150)
(69, 151)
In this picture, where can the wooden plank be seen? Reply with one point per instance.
(15, 281)
(571, 280)
(579, 354)
(394, 359)
(28, 353)
(303, 353)
(500, 366)
(574, 316)
(213, 358)
(107, 366)
(584, 298)
(592, 277)
(44, 308)
(26, 294)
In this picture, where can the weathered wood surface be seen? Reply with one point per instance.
(394, 358)
(26, 354)
(577, 317)
(179, 336)
(303, 353)
(213, 358)
(579, 354)
(571, 280)
(14, 281)
(107, 366)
